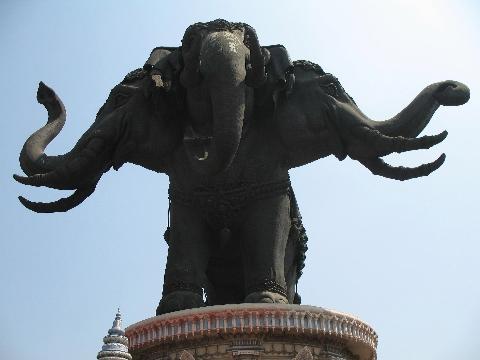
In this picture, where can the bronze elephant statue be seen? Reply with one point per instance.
(225, 119)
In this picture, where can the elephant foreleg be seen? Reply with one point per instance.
(264, 238)
(187, 261)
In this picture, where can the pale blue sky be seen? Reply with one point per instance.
(404, 257)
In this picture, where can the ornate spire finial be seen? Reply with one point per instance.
(117, 325)
(115, 343)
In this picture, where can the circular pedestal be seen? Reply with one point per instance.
(253, 331)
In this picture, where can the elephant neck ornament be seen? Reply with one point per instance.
(225, 119)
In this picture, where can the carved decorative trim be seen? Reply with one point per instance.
(246, 347)
(186, 356)
(304, 354)
(255, 319)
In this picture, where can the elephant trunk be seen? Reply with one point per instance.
(371, 140)
(74, 170)
(33, 159)
(223, 73)
(411, 121)
(228, 107)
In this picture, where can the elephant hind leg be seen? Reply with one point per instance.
(295, 251)
(291, 267)
(291, 280)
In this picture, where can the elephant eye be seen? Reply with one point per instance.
(187, 41)
(120, 99)
(332, 90)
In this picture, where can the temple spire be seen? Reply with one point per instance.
(115, 343)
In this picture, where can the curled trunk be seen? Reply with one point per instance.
(69, 171)
(400, 133)
(33, 159)
(411, 121)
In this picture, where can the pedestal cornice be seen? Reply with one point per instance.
(251, 331)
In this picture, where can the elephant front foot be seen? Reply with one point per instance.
(267, 291)
(266, 297)
(179, 300)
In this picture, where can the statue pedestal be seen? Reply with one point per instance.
(252, 331)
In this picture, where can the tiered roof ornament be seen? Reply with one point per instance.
(115, 343)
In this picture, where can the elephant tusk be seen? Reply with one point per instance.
(193, 138)
(379, 167)
(61, 177)
(61, 205)
(385, 145)
(37, 180)
(204, 157)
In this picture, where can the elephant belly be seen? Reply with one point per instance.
(222, 205)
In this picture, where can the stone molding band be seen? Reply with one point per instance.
(115, 355)
(256, 319)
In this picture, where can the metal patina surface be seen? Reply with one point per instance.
(226, 118)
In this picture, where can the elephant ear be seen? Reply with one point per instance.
(279, 65)
(164, 65)
(158, 54)
(280, 76)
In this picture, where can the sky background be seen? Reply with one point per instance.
(404, 257)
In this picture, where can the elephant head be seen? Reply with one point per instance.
(222, 63)
(132, 126)
(320, 118)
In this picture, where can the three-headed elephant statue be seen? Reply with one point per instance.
(225, 119)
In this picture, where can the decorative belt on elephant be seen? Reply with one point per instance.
(222, 204)
(267, 285)
(181, 286)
